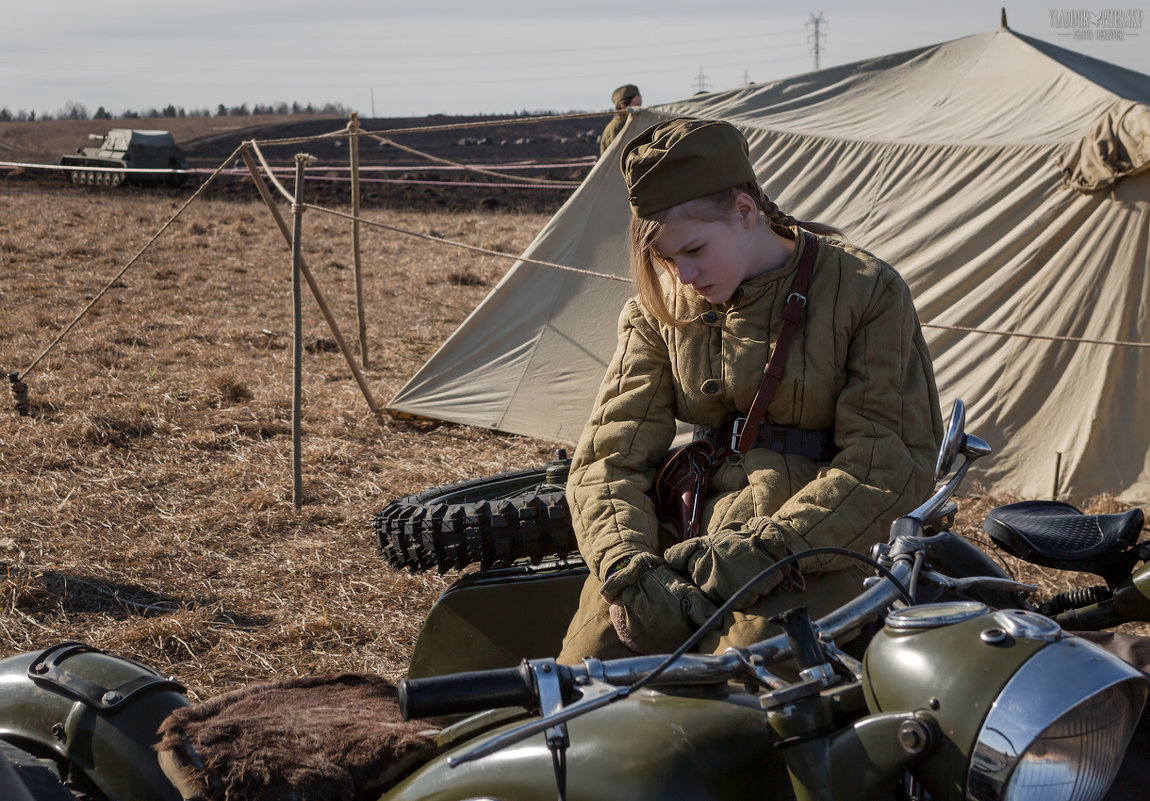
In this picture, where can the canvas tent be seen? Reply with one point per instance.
(1006, 179)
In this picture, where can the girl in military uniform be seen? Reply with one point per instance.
(850, 433)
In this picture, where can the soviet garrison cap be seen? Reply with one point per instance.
(624, 93)
(683, 159)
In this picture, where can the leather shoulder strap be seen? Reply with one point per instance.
(792, 319)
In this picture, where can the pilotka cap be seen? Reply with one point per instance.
(683, 159)
(624, 93)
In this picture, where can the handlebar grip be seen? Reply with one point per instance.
(461, 693)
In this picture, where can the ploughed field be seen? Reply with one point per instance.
(554, 149)
(145, 502)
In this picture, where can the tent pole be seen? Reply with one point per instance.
(301, 162)
(353, 151)
(266, 194)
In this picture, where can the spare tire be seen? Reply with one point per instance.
(497, 521)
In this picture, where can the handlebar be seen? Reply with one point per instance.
(468, 692)
(489, 689)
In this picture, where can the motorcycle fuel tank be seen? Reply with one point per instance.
(652, 745)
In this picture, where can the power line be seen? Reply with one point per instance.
(816, 22)
(701, 82)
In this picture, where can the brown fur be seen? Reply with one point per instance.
(320, 738)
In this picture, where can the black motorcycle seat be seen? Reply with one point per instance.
(1054, 530)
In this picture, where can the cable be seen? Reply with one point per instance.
(722, 611)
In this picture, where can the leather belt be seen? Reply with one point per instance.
(817, 445)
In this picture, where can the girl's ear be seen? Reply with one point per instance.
(747, 209)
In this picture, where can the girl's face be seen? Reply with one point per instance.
(711, 256)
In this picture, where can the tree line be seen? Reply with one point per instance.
(78, 111)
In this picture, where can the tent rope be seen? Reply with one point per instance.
(465, 246)
(268, 170)
(1051, 337)
(379, 137)
(610, 277)
(125, 268)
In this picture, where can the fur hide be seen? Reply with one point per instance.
(319, 738)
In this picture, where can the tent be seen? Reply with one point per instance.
(1006, 178)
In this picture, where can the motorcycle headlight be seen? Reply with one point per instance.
(1059, 728)
(1022, 712)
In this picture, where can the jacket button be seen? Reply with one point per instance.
(710, 317)
(711, 387)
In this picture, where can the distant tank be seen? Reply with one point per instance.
(128, 149)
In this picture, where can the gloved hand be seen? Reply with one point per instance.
(721, 563)
(654, 610)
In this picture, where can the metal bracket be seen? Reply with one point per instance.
(550, 700)
(737, 426)
(595, 694)
(47, 668)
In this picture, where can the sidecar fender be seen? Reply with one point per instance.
(94, 714)
(498, 618)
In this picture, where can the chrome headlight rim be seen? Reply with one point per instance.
(1056, 680)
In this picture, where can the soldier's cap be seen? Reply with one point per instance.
(682, 159)
(624, 94)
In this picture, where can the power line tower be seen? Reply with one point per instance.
(701, 82)
(819, 26)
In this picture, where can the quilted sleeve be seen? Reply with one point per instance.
(626, 437)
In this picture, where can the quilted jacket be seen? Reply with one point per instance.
(859, 365)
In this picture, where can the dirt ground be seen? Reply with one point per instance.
(145, 503)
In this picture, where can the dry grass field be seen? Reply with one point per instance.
(145, 503)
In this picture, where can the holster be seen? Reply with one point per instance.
(681, 485)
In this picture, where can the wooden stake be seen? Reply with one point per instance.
(353, 150)
(1057, 476)
(266, 194)
(301, 162)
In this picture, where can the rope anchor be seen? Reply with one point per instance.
(20, 394)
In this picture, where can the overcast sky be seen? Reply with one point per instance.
(468, 56)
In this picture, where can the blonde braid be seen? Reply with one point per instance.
(782, 222)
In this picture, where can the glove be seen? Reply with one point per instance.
(720, 563)
(653, 609)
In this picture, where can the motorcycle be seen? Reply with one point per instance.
(953, 697)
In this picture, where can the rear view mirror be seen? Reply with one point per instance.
(955, 441)
(952, 441)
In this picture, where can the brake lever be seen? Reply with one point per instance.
(840, 657)
(960, 584)
(753, 663)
